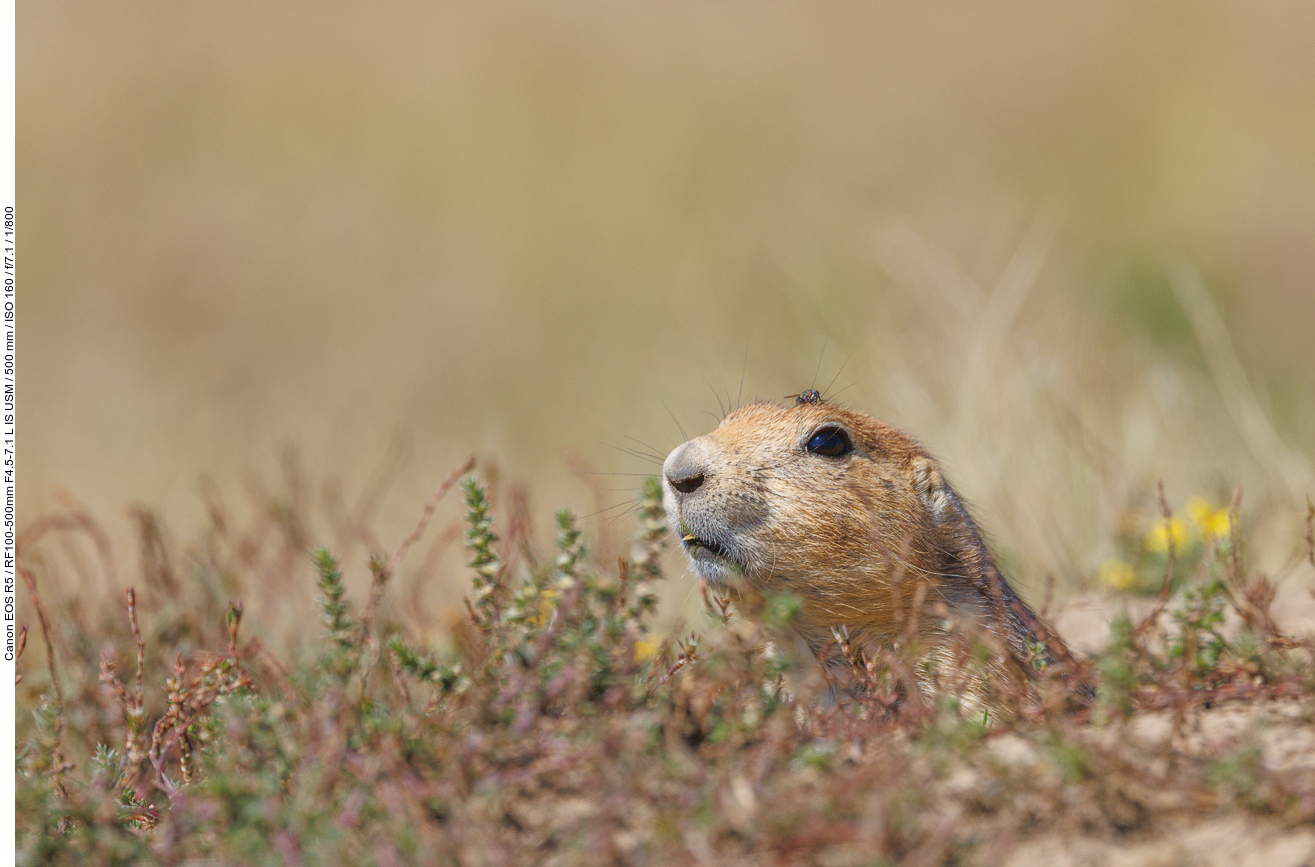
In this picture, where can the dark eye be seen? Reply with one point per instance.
(830, 442)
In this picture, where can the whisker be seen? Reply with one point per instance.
(650, 448)
(635, 453)
(679, 426)
(603, 473)
(720, 405)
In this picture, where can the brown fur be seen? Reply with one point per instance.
(866, 540)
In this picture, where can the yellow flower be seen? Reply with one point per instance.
(1117, 574)
(646, 648)
(546, 607)
(1210, 522)
(1157, 540)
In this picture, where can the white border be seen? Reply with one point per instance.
(8, 386)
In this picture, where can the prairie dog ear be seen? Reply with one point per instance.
(932, 488)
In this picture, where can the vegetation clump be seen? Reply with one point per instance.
(558, 726)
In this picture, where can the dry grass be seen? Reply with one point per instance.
(557, 727)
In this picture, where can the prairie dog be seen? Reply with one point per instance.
(851, 516)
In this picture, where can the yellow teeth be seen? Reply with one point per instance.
(690, 538)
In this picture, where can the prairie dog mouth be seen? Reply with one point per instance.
(693, 544)
(712, 560)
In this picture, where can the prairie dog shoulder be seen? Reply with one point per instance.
(848, 514)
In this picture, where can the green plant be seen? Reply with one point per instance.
(558, 720)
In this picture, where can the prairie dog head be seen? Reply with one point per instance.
(829, 504)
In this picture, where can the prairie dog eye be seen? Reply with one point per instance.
(830, 442)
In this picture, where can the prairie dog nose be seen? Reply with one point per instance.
(686, 468)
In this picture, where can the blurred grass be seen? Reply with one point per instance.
(529, 229)
(556, 726)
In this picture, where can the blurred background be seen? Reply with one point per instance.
(1069, 248)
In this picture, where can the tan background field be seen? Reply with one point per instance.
(1071, 249)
